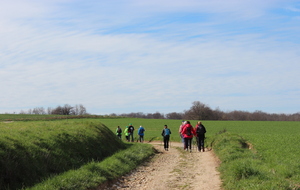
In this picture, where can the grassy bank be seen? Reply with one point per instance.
(32, 151)
(92, 174)
(243, 167)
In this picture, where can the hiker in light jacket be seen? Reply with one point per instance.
(188, 132)
(180, 131)
(126, 133)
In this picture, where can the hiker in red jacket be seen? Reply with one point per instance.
(188, 132)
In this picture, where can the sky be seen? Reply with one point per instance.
(124, 56)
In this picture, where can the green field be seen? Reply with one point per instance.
(254, 154)
(274, 155)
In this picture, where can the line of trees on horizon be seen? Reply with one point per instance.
(67, 109)
(198, 111)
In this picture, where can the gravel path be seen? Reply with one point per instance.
(173, 169)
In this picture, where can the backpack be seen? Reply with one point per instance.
(167, 132)
(130, 129)
(141, 131)
(189, 131)
(200, 129)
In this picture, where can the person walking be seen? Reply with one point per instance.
(166, 132)
(200, 133)
(180, 131)
(141, 131)
(119, 132)
(188, 132)
(130, 132)
(126, 134)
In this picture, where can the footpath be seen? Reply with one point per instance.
(172, 170)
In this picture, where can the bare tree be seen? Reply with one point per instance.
(158, 115)
(67, 110)
(82, 110)
(57, 111)
(29, 111)
(39, 111)
(174, 115)
(199, 111)
(49, 110)
(22, 112)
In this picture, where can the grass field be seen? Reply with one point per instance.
(274, 153)
(254, 154)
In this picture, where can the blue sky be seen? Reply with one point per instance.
(124, 56)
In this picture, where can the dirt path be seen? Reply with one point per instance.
(173, 169)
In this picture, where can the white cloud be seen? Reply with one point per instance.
(46, 63)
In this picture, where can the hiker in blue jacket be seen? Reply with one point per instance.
(166, 132)
(141, 131)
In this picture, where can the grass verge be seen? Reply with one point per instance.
(91, 175)
(243, 168)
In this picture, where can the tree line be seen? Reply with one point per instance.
(200, 111)
(66, 109)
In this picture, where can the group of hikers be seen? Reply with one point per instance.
(129, 133)
(186, 132)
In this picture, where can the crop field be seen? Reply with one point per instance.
(275, 162)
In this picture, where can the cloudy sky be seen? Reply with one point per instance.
(124, 56)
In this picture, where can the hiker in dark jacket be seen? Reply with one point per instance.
(119, 132)
(130, 132)
(166, 132)
(200, 133)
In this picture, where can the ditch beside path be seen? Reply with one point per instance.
(174, 169)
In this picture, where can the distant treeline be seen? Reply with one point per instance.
(59, 110)
(200, 111)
